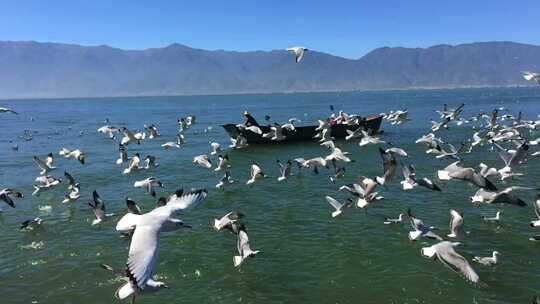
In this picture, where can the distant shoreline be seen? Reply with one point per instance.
(273, 93)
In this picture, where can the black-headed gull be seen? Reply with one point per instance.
(144, 248)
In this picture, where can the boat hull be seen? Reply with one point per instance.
(372, 124)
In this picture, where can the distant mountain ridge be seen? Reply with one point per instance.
(39, 70)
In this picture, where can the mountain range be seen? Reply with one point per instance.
(31, 69)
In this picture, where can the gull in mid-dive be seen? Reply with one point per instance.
(337, 205)
(144, 248)
(298, 52)
(445, 253)
(227, 220)
(75, 154)
(488, 261)
(47, 165)
(99, 209)
(242, 245)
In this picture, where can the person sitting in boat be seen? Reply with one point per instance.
(342, 117)
(250, 120)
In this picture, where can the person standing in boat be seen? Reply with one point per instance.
(250, 120)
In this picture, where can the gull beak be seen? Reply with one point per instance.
(186, 226)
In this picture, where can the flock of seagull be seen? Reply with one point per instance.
(491, 129)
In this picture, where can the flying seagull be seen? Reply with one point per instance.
(144, 248)
(5, 195)
(244, 250)
(298, 52)
(445, 253)
(457, 171)
(337, 205)
(420, 229)
(99, 209)
(47, 165)
(456, 224)
(227, 220)
(526, 75)
(6, 110)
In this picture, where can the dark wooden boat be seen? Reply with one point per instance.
(371, 123)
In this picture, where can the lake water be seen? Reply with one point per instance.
(307, 256)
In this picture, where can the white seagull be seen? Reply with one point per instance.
(337, 205)
(243, 247)
(445, 253)
(298, 52)
(144, 248)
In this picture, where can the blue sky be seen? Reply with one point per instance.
(343, 28)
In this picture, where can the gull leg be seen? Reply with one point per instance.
(133, 299)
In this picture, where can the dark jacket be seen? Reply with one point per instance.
(251, 121)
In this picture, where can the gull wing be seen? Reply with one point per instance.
(40, 163)
(333, 202)
(98, 206)
(133, 208)
(537, 206)
(505, 155)
(70, 178)
(143, 253)
(180, 201)
(459, 264)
